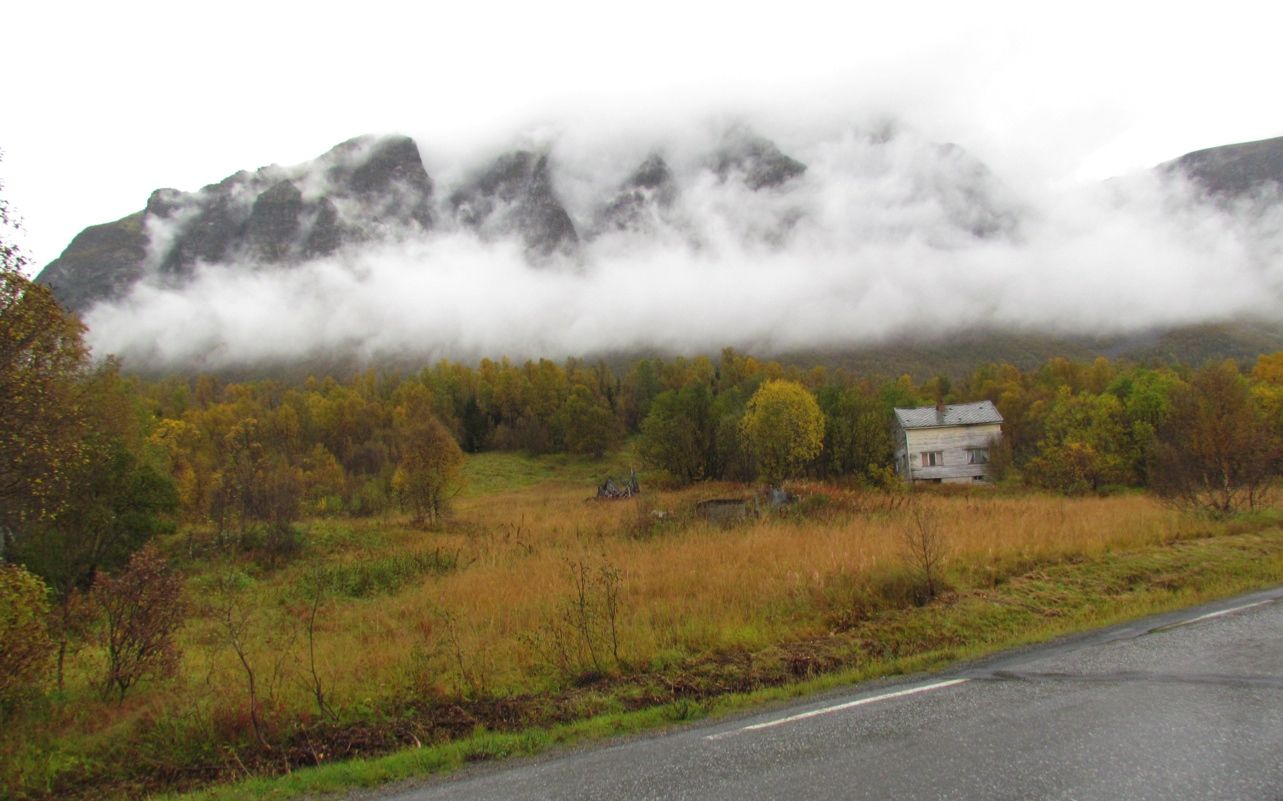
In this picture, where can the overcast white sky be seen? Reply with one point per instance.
(105, 102)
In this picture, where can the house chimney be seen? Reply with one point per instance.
(940, 412)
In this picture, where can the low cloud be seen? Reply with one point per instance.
(885, 236)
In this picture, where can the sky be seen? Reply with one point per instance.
(107, 101)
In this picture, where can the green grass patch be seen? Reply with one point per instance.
(364, 578)
(505, 471)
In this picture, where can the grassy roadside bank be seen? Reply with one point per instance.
(1048, 600)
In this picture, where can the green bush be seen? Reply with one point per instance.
(272, 544)
(371, 499)
(25, 646)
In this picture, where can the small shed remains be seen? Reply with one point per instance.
(946, 443)
(613, 488)
(729, 510)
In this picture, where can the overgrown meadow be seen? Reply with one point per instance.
(534, 603)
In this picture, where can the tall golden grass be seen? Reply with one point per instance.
(687, 587)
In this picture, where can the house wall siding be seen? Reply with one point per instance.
(953, 442)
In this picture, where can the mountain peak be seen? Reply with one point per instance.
(359, 190)
(757, 161)
(515, 194)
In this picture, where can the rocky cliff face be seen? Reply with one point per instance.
(644, 198)
(515, 195)
(710, 238)
(372, 190)
(756, 161)
(102, 262)
(375, 190)
(363, 190)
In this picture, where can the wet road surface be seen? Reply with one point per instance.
(1182, 706)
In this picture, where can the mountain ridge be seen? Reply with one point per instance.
(370, 189)
(369, 194)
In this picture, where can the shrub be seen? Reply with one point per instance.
(142, 609)
(847, 599)
(273, 544)
(925, 546)
(25, 646)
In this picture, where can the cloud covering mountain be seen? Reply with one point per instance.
(569, 243)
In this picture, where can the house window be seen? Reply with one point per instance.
(932, 458)
(977, 456)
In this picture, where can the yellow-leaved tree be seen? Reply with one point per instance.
(42, 359)
(431, 462)
(784, 429)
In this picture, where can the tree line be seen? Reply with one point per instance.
(242, 453)
(247, 458)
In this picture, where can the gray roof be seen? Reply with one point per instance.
(955, 414)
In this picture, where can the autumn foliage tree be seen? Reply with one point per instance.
(116, 503)
(258, 492)
(587, 424)
(430, 463)
(42, 355)
(76, 495)
(1084, 446)
(1216, 451)
(679, 435)
(784, 428)
(142, 609)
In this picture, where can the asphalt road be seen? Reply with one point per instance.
(1181, 706)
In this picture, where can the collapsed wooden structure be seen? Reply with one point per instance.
(612, 488)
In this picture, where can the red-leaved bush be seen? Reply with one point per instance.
(141, 609)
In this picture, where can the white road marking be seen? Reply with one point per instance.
(1211, 615)
(939, 685)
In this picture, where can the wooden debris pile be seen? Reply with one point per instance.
(613, 488)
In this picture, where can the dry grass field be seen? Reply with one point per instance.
(685, 586)
(533, 590)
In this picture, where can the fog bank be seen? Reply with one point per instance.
(885, 235)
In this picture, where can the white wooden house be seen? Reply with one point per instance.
(946, 443)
